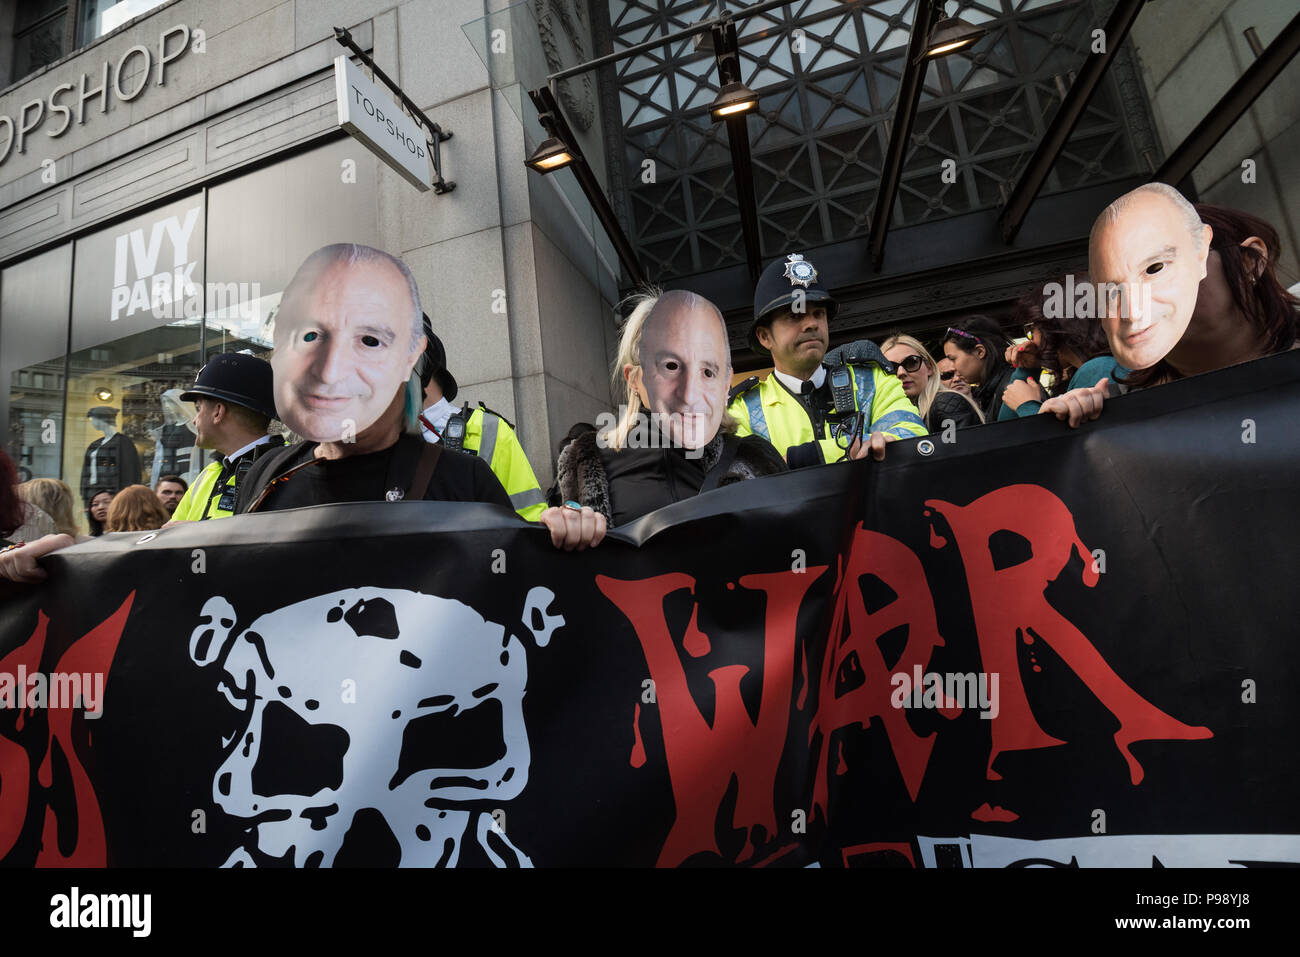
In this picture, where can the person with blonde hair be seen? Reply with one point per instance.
(136, 508)
(672, 438)
(54, 498)
(918, 374)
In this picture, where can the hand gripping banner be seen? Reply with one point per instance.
(1031, 646)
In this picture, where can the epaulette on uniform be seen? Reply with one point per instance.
(740, 388)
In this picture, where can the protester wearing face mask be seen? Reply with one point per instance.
(1197, 291)
(673, 439)
(918, 374)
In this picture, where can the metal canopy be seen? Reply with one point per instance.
(553, 121)
(1031, 179)
(727, 56)
(1189, 153)
(909, 97)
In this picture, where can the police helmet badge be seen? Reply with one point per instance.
(799, 271)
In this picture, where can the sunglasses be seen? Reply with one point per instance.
(945, 376)
(911, 363)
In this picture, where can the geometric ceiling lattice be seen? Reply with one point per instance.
(827, 76)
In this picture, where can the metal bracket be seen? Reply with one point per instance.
(439, 135)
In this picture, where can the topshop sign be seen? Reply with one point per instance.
(124, 80)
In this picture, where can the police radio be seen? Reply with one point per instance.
(842, 390)
(453, 435)
(849, 420)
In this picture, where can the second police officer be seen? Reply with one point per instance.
(480, 431)
(812, 394)
(235, 403)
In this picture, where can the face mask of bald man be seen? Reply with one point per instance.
(1147, 255)
(685, 369)
(343, 345)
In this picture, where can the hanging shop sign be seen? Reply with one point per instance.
(368, 113)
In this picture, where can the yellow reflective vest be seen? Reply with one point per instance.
(491, 438)
(202, 499)
(199, 502)
(768, 409)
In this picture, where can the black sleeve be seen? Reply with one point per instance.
(462, 477)
(950, 405)
(487, 487)
(251, 485)
(762, 455)
(802, 456)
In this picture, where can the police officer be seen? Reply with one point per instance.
(235, 404)
(480, 431)
(800, 404)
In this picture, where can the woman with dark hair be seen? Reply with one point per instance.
(1072, 348)
(977, 346)
(1242, 312)
(97, 510)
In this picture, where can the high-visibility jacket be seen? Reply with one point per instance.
(767, 408)
(492, 439)
(203, 499)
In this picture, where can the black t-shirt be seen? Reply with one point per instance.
(459, 477)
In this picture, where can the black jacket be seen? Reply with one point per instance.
(623, 485)
(950, 405)
(989, 395)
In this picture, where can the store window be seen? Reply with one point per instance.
(137, 307)
(33, 341)
(261, 227)
(40, 36)
(103, 16)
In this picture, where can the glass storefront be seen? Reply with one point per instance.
(99, 337)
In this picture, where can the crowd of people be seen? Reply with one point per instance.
(1172, 290)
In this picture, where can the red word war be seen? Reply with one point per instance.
(703, 757)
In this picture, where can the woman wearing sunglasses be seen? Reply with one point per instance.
(919, 376)
(977, 347)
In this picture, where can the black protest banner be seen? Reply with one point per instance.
(1029, 646)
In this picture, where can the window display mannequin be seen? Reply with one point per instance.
(111, 462)
(173, 451)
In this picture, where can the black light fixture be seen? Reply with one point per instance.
(734, 99)
(951, 34)
(550, 155)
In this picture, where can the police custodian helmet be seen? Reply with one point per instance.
(781, 283)
(237, 378)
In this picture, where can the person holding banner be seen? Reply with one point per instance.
(1188, 289)
(348, 334)
(674, 363)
